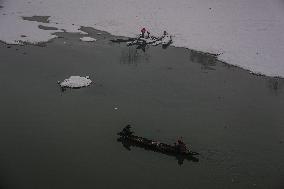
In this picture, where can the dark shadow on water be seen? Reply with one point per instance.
(1, 4)
(164, 46)
(132, 55)
(275, 85)
(207, 61)
(142, 46)
(64, 90)
(179, 157)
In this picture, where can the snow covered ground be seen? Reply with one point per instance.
(248, 33)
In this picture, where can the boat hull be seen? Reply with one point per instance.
(154, 145)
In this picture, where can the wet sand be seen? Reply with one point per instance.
(50, 139)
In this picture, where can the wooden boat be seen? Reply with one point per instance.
(179, 149)
(123, 40)
(141, 42)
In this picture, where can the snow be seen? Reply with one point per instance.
(247, 33)
(87, 39)
(166, 39)
(76, 82)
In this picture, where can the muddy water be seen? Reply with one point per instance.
(50, 139)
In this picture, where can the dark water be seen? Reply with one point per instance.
(50, 139)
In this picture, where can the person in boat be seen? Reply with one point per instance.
(126, 131)
(181, 146)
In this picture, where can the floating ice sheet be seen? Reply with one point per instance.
(87, 39)
(76, 82)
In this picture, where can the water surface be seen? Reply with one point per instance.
(50, 139)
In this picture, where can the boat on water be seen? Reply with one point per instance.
(178, 149)
(142, 41)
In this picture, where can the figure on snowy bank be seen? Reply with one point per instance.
(143, 31)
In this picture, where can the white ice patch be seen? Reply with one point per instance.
(248, 33)
(76, 82)
(87, 39)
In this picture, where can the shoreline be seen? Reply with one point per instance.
(255, 44)
(89, 32)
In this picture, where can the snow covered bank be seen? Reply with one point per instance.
(75, 82)
(246, 33)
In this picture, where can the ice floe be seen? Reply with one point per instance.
(87, 39)
(75, 82)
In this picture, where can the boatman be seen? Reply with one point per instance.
(181, 146)
(126, 131)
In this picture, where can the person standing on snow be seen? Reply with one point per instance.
(143, 32)
(148, 34)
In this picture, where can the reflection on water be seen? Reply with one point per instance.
(207, 61)
(132, 55)
(164, 46)
(274, 84)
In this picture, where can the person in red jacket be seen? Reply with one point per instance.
(143, 32)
